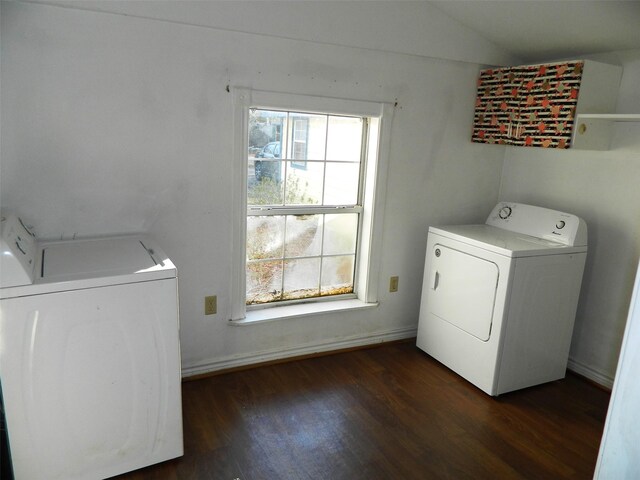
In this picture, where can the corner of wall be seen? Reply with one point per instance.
(502, 170)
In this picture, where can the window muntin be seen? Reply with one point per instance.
(304, 210)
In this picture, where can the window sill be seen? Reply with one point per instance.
(300, 310)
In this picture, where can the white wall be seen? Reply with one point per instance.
(115, 124)
(603, 188)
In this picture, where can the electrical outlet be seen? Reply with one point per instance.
(393, 284)
(210, 305)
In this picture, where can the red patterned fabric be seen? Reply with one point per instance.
(530, 105)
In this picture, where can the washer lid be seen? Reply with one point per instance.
(94, 258)
(504, 242)
(73, 265)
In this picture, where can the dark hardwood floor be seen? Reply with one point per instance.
(390, 412)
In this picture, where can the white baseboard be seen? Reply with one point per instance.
(590, 373)
(297, 351)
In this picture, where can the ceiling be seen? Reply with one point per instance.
(493, 32)
(539, 30)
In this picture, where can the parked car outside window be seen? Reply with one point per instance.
(268, 169)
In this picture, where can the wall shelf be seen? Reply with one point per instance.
(593, 130)
(611, 117)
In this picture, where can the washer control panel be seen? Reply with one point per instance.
(18, 253)
(539, 222)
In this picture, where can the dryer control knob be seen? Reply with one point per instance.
(504, 213)
(560, 224)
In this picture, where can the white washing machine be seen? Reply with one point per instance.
(499, 300)
(89, 355)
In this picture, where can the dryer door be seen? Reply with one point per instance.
(462, 290)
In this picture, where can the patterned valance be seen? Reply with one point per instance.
(531, 105)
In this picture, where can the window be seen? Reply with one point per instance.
(303, 223)
(309, 171)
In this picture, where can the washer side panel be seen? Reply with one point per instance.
(91, 380)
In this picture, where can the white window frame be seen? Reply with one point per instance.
(370, 237)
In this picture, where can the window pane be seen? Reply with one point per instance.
(341, 183)
(266, 133)
(304, 186)
(340, 233)
(264, 182)
(304, 236)
(265, 237)
(301, 278)
(344, 139)
(307, 136)
(337, 275)
(264, 282)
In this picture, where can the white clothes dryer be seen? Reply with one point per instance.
(499, 300)
(89, 355)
